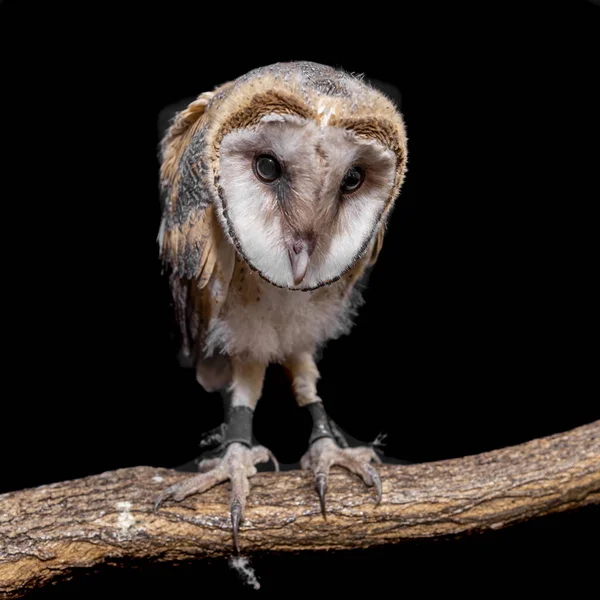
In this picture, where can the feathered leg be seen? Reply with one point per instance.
(327, 445)
(237, 464)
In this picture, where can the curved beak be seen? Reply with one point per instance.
(299, 256)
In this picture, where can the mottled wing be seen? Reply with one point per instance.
(377, 245)
(192, 246)
(358, 277)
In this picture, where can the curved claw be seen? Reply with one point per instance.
(377, 482)
(236, 518)
(321, 485)
(274, 461)
(162, 497)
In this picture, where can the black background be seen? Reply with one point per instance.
(480, 324)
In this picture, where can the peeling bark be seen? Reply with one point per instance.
(47, 532)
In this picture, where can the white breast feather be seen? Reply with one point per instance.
(281, 323)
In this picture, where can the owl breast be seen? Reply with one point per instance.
(268, 323)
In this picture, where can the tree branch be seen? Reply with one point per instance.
(48, 531)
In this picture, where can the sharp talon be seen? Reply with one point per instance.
(377, 481)
(236, 517)
(321, 485)
(274, 461)
(161, 498)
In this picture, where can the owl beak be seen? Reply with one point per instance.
(299, 256)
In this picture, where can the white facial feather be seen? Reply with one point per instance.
(359, 213)
(250, 211)
(315, 160)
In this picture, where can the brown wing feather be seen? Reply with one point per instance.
(213, 372)
(178, 136)
(192, 246)
(377, 245)
(359, 273)
(185, 242)
(363, 266)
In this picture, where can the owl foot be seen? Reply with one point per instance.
(237, 465)
(324, 453)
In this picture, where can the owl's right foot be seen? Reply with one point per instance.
(237, 464)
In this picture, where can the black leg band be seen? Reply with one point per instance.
(321, 428)
(239, 426)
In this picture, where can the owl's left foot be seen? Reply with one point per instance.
(328, 447)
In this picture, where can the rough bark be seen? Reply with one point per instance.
(49, 531)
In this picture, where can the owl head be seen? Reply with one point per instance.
(302, 163)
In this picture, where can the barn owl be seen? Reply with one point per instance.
(277, 186)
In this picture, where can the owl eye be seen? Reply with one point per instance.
(353, 179)
(267, 168)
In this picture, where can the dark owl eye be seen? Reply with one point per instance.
(353, 179)
(267, 168)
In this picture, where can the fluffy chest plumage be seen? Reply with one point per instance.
(268, 323)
